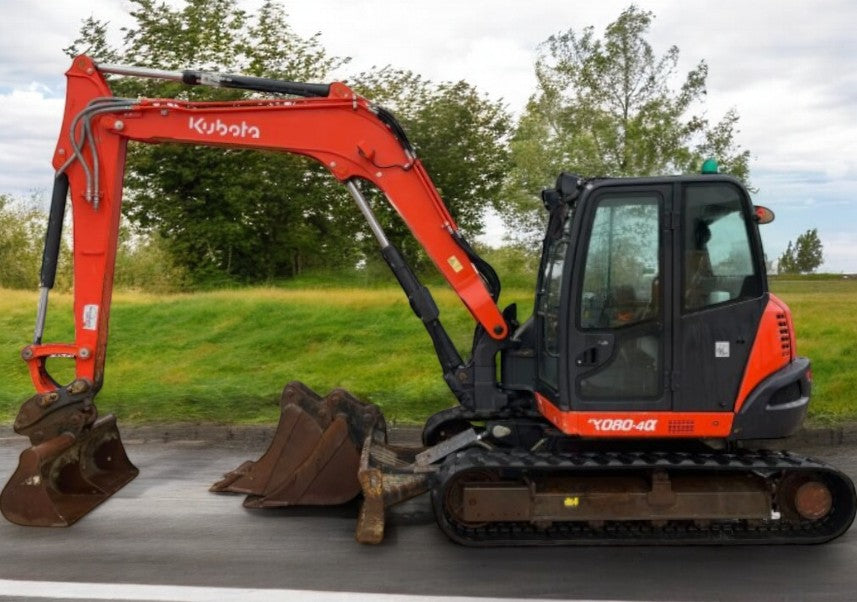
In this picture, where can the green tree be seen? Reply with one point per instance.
(605, 107)
(18, 256)
(786, 263)
(143, 263)
(22, 234)
(804, 257)
(224, 214)
(248, 215)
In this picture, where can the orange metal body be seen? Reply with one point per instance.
(773, 348)
(341, 131)
(612, 425)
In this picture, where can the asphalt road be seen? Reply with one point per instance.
(165, 528)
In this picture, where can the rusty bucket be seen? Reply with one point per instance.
(314, 456)
(64, 477)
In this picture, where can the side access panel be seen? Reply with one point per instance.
(712, 350)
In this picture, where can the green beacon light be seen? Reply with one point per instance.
(710, 166)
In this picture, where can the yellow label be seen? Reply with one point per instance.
(454, 263)
(571, 502)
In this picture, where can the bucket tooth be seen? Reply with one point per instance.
(63, 478)
(314, 455)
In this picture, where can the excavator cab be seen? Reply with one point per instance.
(651, 292)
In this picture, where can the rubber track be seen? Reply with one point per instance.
(771, 465)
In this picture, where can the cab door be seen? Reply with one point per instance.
(620, 340)
(720, 297)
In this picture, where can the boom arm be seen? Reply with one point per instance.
(343, 131)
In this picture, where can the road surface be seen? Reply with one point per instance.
(166, 529)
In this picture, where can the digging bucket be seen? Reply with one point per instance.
(314, 456)
(63, 478)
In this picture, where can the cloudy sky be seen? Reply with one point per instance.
(788, 67)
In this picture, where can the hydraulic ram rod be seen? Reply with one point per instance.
(50, 255)
(420, 298)
(222, 80)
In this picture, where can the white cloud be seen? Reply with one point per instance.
(29, 123)
(840, 251)
(790, 69)
(34, 33)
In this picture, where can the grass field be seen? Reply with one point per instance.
(825, 316)
(224, 356)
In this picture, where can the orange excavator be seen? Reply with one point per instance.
(622, 411)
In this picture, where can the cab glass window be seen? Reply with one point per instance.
(621, 273)
(549, 305)
(717, 252)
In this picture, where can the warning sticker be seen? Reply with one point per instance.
(454, 263)
(90, 317)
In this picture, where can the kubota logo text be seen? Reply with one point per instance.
(624, 424)
(217, 128)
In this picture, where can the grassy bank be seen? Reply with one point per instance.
(224, 356)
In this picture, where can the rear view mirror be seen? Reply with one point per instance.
(763, 214)
(568, 185)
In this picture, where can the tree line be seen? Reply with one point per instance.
(805, 255)
(603, 105)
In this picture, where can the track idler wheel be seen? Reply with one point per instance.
(314, 456)
(75, 462)
(805, 497)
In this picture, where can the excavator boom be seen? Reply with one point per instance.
(342, 131)
(355, 140)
